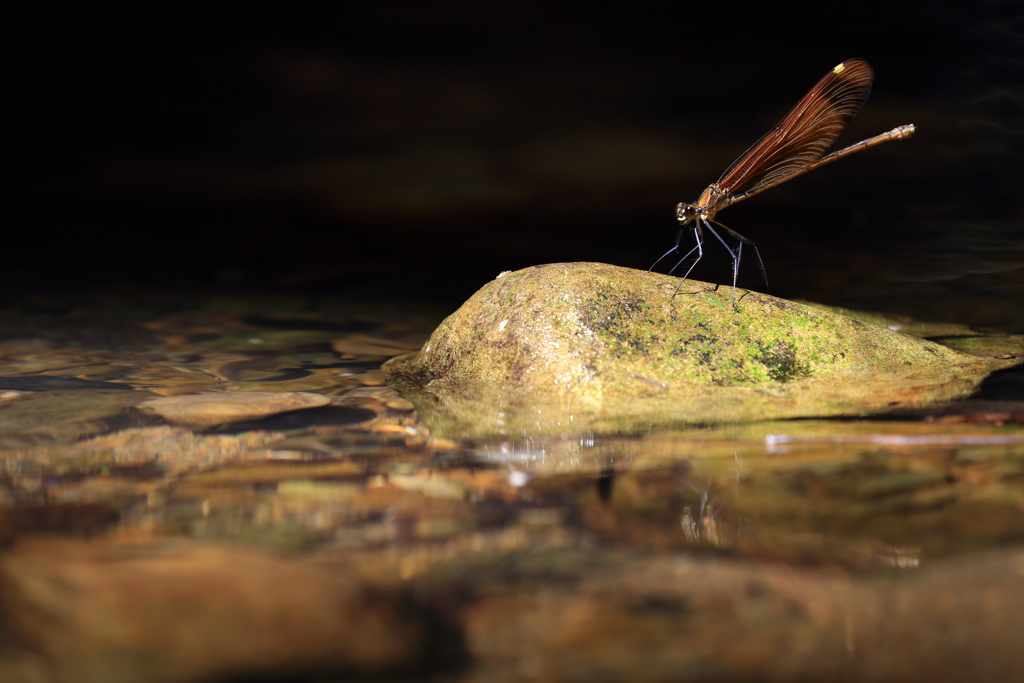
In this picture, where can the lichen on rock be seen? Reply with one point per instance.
(572, 347)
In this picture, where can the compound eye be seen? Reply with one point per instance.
(686, 213)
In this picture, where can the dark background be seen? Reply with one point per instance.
(415, 150)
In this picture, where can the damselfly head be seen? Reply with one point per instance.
(686, 213)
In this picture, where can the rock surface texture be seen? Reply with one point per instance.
(588, 346)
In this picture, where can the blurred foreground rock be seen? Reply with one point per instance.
(121, 613)
(117, 613)
(699, 619)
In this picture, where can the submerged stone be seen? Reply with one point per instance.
(221, 407)
(186, 612)
(573, 347)
(66, 416)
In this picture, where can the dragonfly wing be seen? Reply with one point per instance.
(804, 134)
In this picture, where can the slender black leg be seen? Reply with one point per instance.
(736, 270)
(679, 240)
(764, 275)
(683, 260)
(660, 258)
(734, 253)
(699, 235)
(742, 240)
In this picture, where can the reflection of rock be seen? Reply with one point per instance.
(152, 612)
(215, 408)
(569, 347)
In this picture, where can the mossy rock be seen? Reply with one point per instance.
(571, 347)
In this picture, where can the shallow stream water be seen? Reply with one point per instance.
(345, 540)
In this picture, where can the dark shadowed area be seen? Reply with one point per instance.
(407, 150)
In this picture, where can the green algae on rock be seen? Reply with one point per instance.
(573, 347)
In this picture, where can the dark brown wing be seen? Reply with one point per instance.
(804, 134)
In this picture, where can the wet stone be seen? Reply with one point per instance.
(49, 383)
(24, 347)
(66, 416)
(322, 381)
(31, 363)
(175, 449)
(588, 346)
(216, 408)
(907, 325)
(696, 619)
(239, 612)
(65, 517)
(335, 416)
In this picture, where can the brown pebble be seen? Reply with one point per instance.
(221, 407)
(374, 378)
(400, 404)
